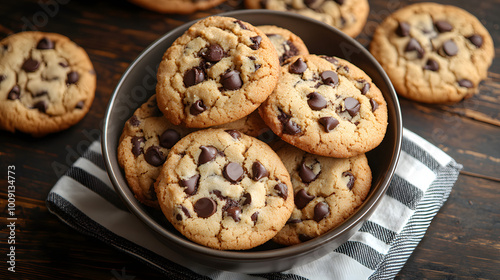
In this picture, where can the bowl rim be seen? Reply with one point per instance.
(364, 210)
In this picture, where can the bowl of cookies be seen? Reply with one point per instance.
(254, 140)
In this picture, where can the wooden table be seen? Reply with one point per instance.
(462, 241)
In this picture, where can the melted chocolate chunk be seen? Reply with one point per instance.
(168, 138)
(234, 133)
(306, 174)
(350, 183)
(191, 184)
(290, 127)
(282, 190)
(193, 76)
(443, 26)
(41, 106)
(185, 211)
(352, 106)
(233, 172)
(231, 80)
(476, 40)
(316, 101)
(136, 145)
(340, 2)
(240, 23)
(302, 198)
(234, 212)
(414, 45)
(30, 65)
(465, 83)
(259, 171)
(330, 78)
(205, 207)
(134, 121)
(197, 108)
(431, 65)
(321, 210)
(374, 104)
(403, 29)
(247, 199)
(40, 93)
(2, 78)
(154, 156)
(45, 44)
(207, 154)
(293, 221)
(330, 59)
(214, 53)
(14, 93)
(255, 42)
(450, 48)
(298, 67)
(290, 51)
(72, 77)
(329, 123)
(304, 237)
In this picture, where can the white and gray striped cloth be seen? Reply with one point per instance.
(84, 199)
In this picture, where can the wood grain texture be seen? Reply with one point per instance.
(461, 243)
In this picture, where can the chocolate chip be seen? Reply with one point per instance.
(330, 78)
(298, 67)
(30, 65)
(374, 104)
(233, 172)
(304, 237)
(63, 64)
(80, 104)
(136, 145)
(352, 106)
(214, 53)
(306, 174)
(450, 48)
(293, 221)
(254, 217)
(185, 211)
(316, 101)
(247, 199)
(40, 93)
(168, 138)
(205, 207)
(414, 45)
(134, 121)
(340, 2)
(14, 93)
(403, 29)
(259, 171)
(152, 192)
(329, 123)
(154, 156)
(290, 50)
(256, 42)
(330, 59)
(443, 26)
(431, 65)
(321, 210)
(41, 106)
(365, 89)
(197, 108)
(207, 154)
(231, 80)
(191, 184)
(290, 127)
(218, 194)
(282, 190)
(476, 40)
(2, 78)
(302, 198)
(466, 83)
(350, 183)
(234, 133)
(234, 212)
(45, 44)
(193, 76)
(240, 23)
(72, 78)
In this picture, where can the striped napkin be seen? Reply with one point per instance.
(84, 199)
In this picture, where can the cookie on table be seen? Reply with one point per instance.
(349, 16)
(287, 44)
(326, 106)
(327, 191)
(220, 70)
(225, 190)
(146, 139)
(177, 6)
(433, 53)
(47, 83)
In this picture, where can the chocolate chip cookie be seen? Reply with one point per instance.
(225, 190)
(47, 83)
(327, 191)
(220, 70)
(287, 44)
(177, 6)
(433, 53)
(326, 106)
(347, 15)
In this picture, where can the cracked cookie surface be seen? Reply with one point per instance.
(287, 44)
(326, 106)
(148, 136)
(347, 15)
(433, 53)
(47, 83)
(220, 70)
(225, 190)
(327, 191)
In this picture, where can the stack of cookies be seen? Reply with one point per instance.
(195, 149)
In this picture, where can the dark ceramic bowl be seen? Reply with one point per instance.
(138, 83)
